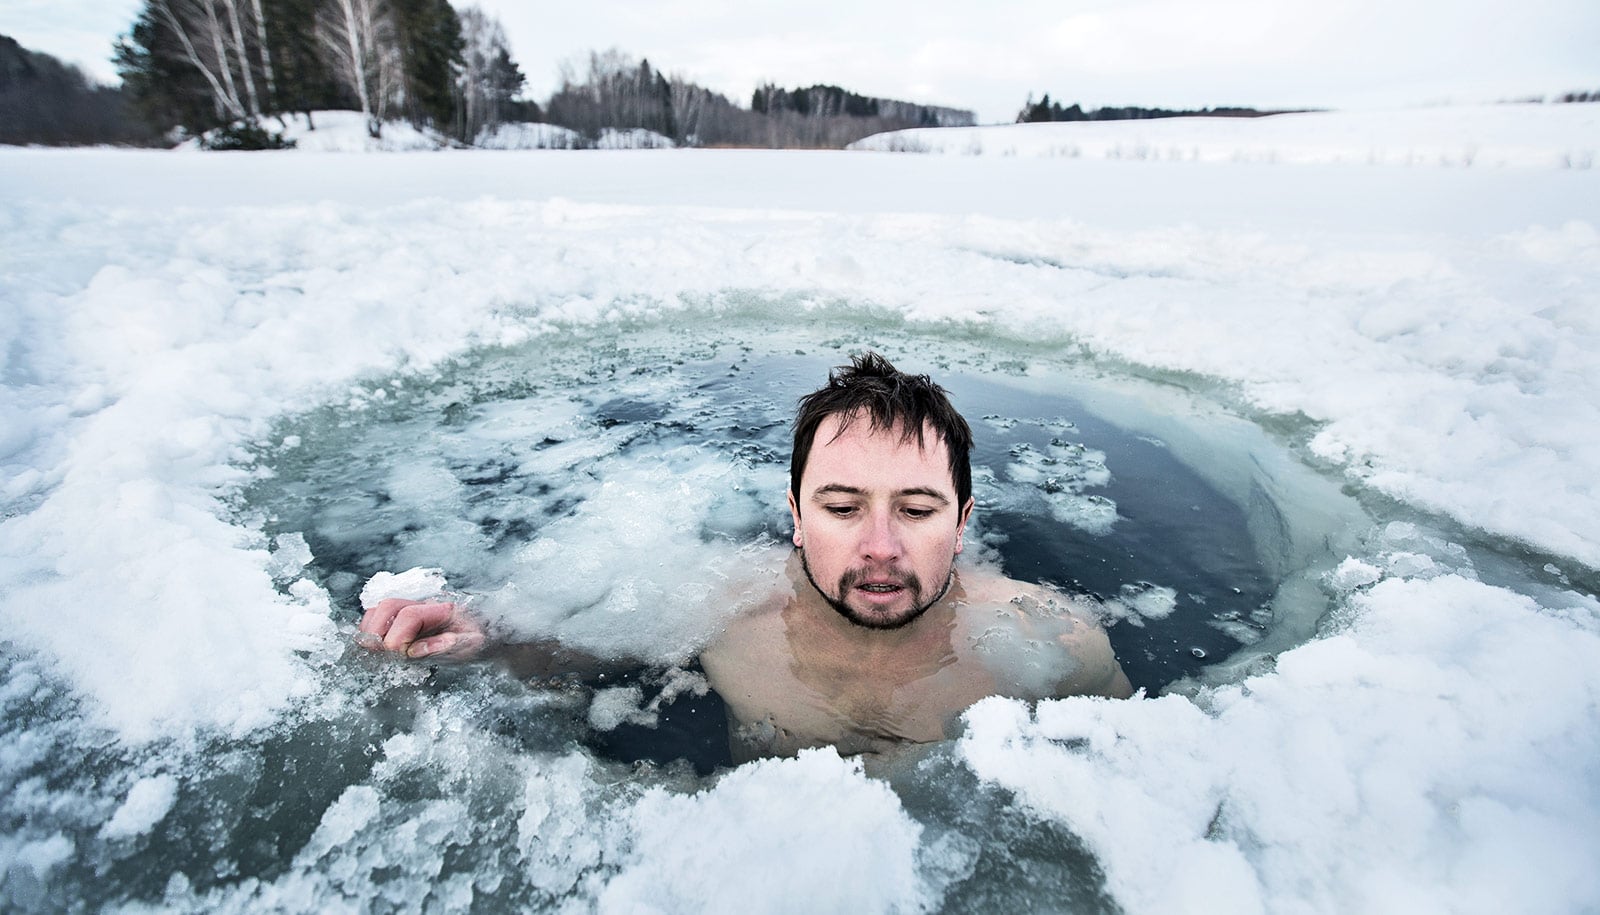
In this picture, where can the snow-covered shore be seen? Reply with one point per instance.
(1486, 136)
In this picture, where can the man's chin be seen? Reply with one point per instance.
(892, 616)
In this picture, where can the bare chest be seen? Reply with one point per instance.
(779, 704)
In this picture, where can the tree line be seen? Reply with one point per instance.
(1044, 110)
(617, 92)
(43, 100)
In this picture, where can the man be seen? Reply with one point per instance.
(876, 641)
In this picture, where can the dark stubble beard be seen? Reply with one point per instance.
(854, 577)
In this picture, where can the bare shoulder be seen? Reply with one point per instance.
(753, 630)
(1071, 622)
(1029, 601)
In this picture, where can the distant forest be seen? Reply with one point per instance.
(1045, 110)
(617, 92)
(47, 102)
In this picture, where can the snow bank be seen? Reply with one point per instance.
(1526, 135)
(346, 131)
(529, 136)
(633, 138)
(1430, 755)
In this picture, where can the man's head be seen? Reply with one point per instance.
(880, 490)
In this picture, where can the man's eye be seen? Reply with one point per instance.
(918, 513)
(840, 511)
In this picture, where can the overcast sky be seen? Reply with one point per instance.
(989, 56)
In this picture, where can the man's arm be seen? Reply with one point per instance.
(1101, 674)
(442, 630)
(1096, 671)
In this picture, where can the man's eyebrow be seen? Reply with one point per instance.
(828, 489)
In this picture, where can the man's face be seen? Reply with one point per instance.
(877, 522)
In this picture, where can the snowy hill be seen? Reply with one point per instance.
(1542, 136)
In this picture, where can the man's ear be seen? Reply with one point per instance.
(794, 514)
(961, 526)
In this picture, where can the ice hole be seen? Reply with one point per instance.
(607, 491)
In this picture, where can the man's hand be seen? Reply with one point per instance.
(421, 629)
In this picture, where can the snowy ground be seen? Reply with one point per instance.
(1540, 136)
(1428, 334)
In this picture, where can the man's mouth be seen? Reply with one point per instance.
(874, 603)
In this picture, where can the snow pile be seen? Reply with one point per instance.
(346, 131)
(811, 832)
(1527, 135)
(412, 584)
(550, 136)
(632, 138)
(1434, 754)
(148, 801)
(523, 135)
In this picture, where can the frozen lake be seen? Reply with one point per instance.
(1321, 432)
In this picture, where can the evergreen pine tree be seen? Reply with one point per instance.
(430, 53)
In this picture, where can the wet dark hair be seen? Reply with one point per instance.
(871, 387)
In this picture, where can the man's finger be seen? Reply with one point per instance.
(439, 644)
(377, 618)
(415, 620)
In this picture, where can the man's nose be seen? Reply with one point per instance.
(880, 542)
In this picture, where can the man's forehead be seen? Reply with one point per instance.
(847, 453)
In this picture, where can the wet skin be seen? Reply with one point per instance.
(794, 673)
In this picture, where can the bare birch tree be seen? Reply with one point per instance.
(361, 47)
(688, 110)
(240, 53)
(488, 80)
(207, 56)
(212, 28)
(266, 54)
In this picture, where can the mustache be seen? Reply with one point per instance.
(854, 577)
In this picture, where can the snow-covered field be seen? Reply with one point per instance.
(1427, 334)
(1492, 136)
